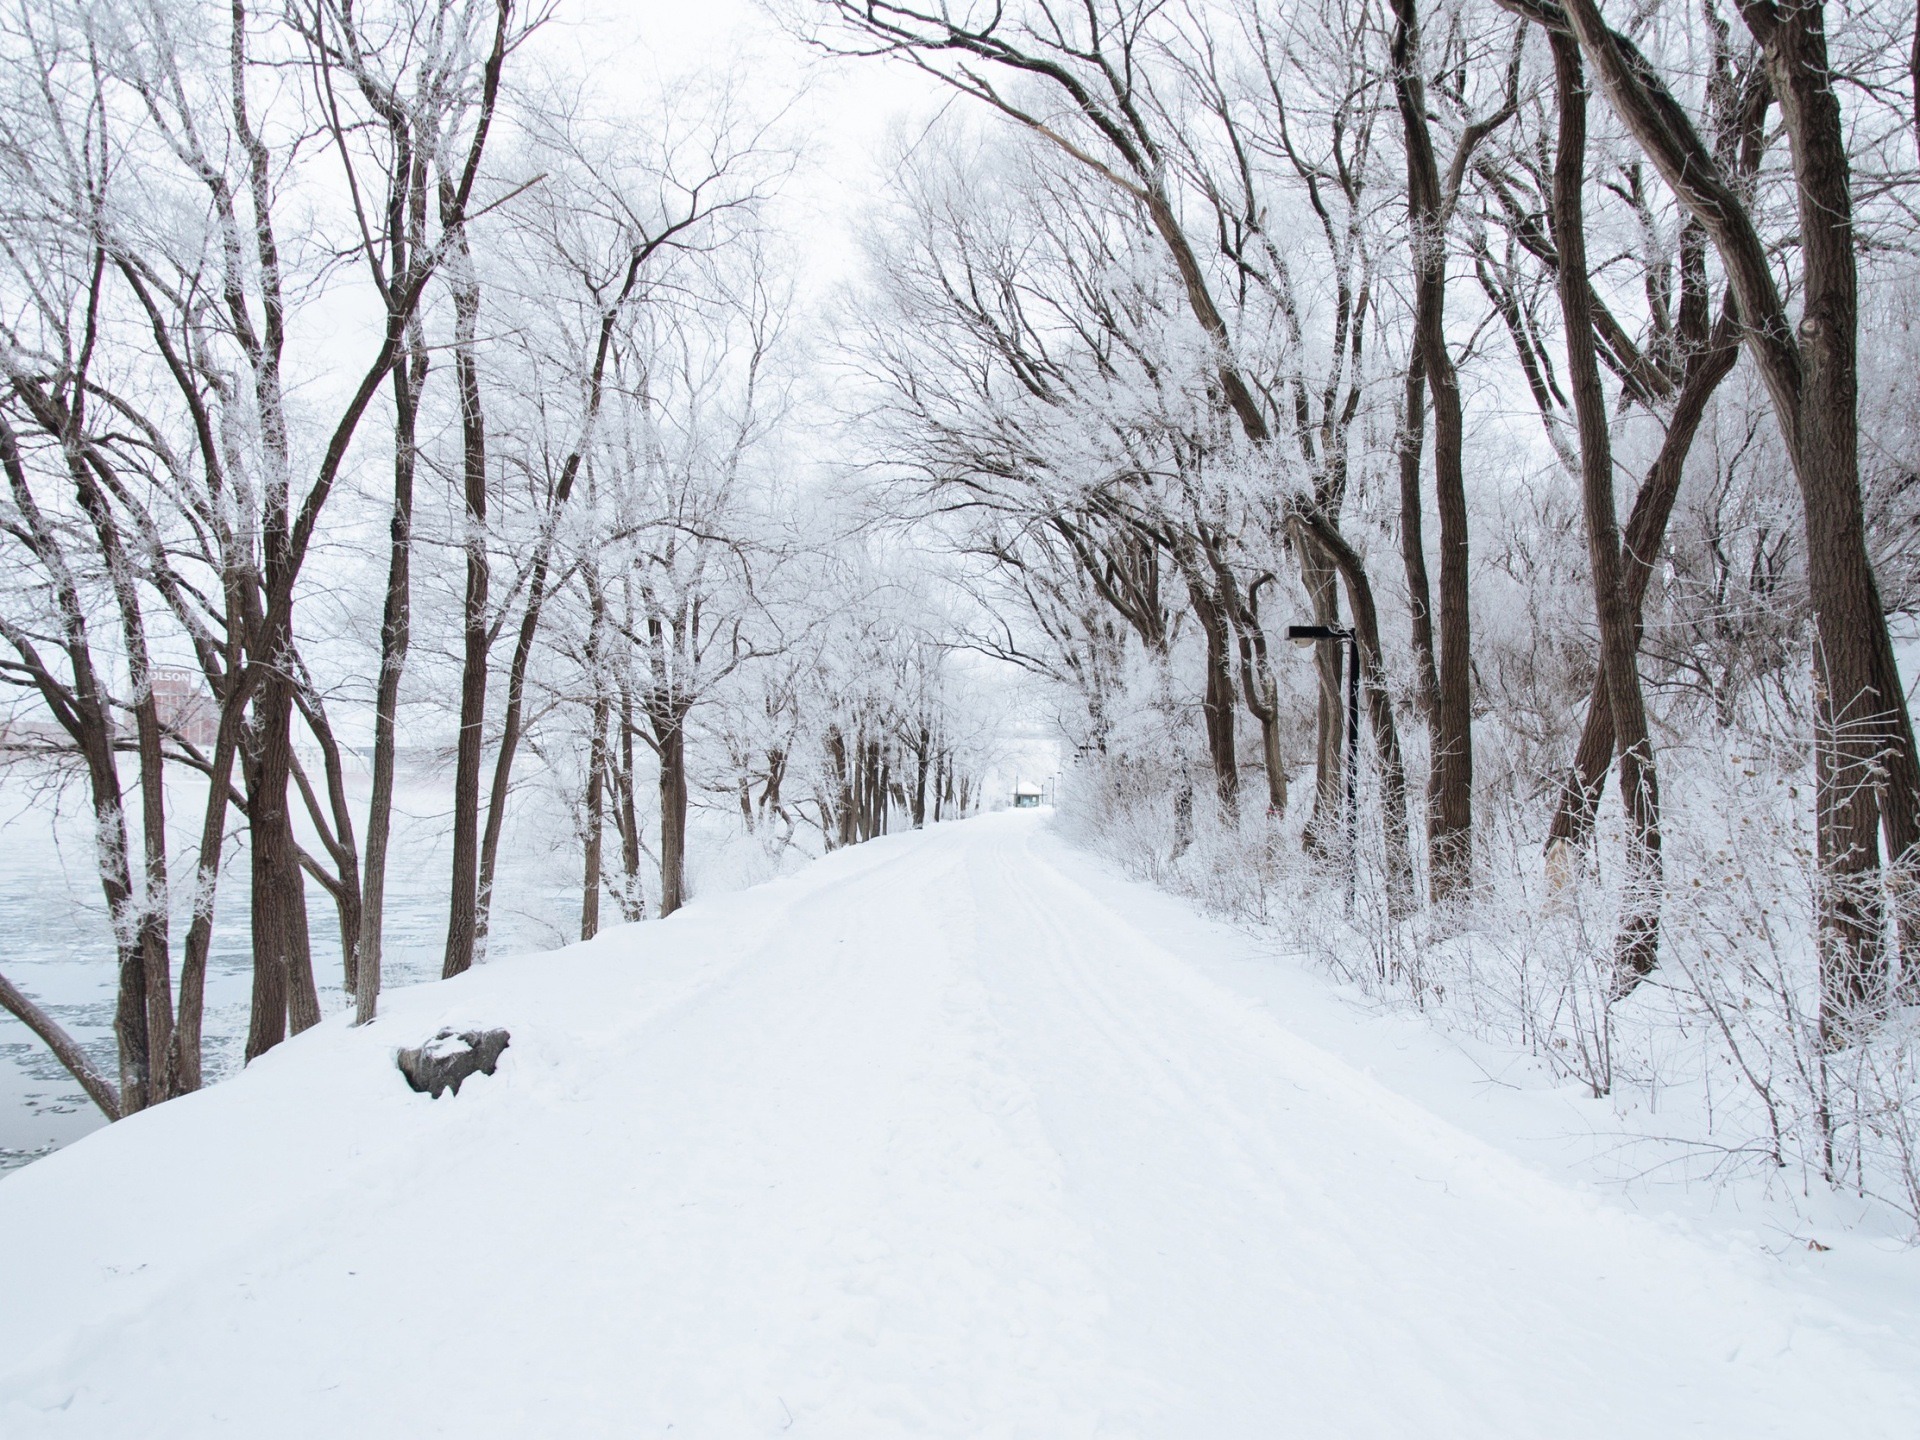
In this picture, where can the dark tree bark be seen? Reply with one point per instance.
(1323, 827)
(595, 821)
(1865, 735)
(1413, 543)
(670, 739)
(840, 831)
(213, 833)
(282, 960)
(594, 828)
(82, 707)
(99, 1089)
(1637, 949)
(633, 905)
(333, 820)
(1262, 694)
(465, 939)
(1218, 704)
(1239, 614)
(1574, 813)
(396, 625)
(463, 917)
(873, 779)
(1450, 773)
(922, 759)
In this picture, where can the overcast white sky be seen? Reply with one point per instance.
(845, 111)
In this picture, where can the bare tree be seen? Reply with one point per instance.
(1811, 372)
(600, 226)
(1639, 942)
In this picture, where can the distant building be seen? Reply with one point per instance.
(1026, 795)
(184, 707)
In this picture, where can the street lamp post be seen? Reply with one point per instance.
(1307, 635)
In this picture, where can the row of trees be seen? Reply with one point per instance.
(1202, 304)
(359, 369)
(1194, 322)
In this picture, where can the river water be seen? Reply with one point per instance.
(55, 942)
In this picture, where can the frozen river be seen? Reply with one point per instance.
(55, 943)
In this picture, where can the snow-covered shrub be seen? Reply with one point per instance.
(1722, 1043)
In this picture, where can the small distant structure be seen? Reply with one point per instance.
(1026, 795)
(184, 706)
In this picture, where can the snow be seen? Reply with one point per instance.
(442, 1047)
(950, 1134)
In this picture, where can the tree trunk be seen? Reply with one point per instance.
(670, 736)
(770, 803)
(153, 990)
(334, 822)
(595, 827)
(465, 923)
(396, 623)
(213, 835)
(465, 941)
(1637, 949)
(156, 958)
(1579, 801)
(82, 709)
(1257, 685)
(1183, 814)
(922, 756)
(1413, 544)
(633, 901)
(283, 988)
(1272, 758)
(1450, 773)
(1263, 702)
(1218, 705)
(873, 779)
(595, 820)
(841, 831)
(99, 1089)
(1864, 733)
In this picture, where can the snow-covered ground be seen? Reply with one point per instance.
(949, 1134)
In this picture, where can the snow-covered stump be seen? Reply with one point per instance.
(447, 1059)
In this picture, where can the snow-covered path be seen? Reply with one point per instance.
(932, 1139)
